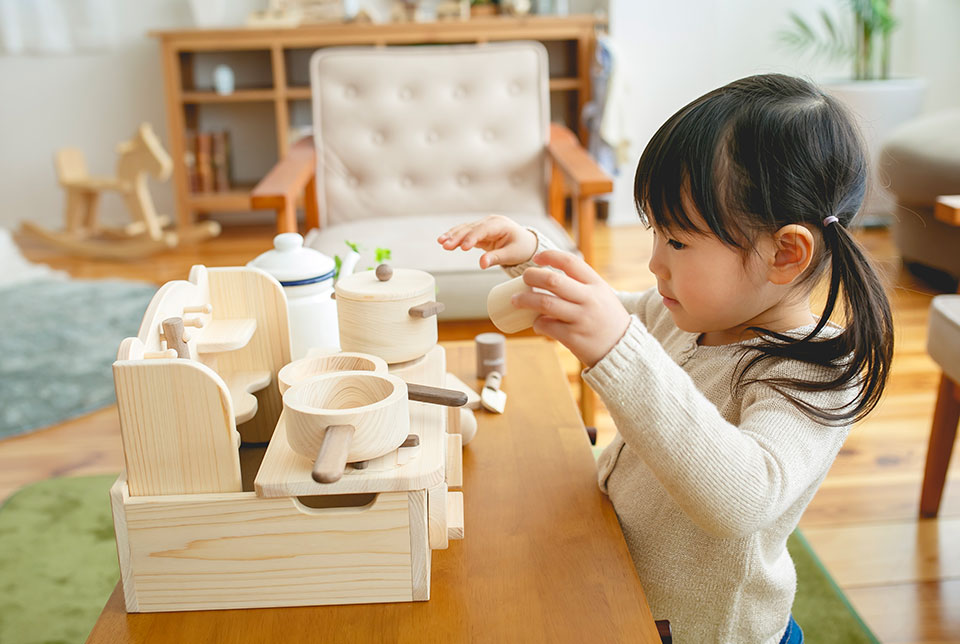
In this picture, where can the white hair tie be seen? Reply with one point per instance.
(832, 219)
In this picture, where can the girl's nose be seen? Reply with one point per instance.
(656, 265)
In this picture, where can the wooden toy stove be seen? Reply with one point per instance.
(206, 519)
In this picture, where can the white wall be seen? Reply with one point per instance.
(87, 100)
(673, 52)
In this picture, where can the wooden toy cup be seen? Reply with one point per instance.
(504, 315)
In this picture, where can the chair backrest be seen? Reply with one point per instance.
(430, 130)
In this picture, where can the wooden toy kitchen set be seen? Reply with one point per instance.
(361, 450)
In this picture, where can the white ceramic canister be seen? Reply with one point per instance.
(307, 279)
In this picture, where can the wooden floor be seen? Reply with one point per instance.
(902, 575)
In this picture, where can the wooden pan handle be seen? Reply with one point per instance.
(426, 309)
(436, 395)
(332, 458)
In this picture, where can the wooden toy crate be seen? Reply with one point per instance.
(366, 538)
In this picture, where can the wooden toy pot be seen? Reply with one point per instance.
(304, 368)
(353, 416)
(390, 314)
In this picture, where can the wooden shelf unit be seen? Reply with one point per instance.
(568, 37)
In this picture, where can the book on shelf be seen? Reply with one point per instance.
(207, 161)
(190, 161)
(221, 160)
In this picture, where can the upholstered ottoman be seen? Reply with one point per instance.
(921, 159)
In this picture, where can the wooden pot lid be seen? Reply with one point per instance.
(403, 284)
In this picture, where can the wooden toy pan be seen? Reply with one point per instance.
(353, 416)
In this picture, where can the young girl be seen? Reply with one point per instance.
(731, 398)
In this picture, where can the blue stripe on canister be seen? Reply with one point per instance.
(309, 280)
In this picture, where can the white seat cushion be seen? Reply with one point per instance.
(943, 339)
(412, 240)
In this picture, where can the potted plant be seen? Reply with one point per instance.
(861, 37)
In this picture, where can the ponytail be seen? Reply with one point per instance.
(859, 356)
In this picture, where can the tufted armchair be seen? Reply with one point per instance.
(409, 141)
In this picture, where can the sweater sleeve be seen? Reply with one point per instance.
(730, 480)
(635, 303)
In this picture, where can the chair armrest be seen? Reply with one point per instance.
(287, 179)
(947, 209)
(580, 172)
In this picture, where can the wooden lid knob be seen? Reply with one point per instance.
(384, 272)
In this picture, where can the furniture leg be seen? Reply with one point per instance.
(91, 216)
(311, 212)
(74, 215)
(942, 434)
(588, 400)
(555, 197)
(586, 215)
(287, 217)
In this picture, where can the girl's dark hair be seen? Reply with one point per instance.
(754, 156)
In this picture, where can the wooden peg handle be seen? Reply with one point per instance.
(426, 309)
(436, 395)
(332, 458)
(173, 334)
(206, 309)
(195, 322)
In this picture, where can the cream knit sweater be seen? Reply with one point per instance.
(707, 482)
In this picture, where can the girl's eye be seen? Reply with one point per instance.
(674, 244)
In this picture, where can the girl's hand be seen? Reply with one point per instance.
(507, 243)
(583, 313)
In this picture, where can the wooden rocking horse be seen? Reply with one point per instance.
(145, 234)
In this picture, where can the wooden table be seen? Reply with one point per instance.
(542, 559)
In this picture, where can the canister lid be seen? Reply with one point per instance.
(406, 283)
(292, 264)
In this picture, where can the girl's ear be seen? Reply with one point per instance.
(794, 246)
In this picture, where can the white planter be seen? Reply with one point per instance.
(880, 106)
(209, 13)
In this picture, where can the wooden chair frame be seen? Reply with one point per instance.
(946, 414)
(574, 173)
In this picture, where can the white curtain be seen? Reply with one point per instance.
(57, 26)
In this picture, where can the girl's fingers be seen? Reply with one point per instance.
(569, 264)
(452, 237)
(548, 305)
(555, 282)
(550, 327)
(489, 259)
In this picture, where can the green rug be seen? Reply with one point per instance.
(58, 559)
(820, 607)
(59, 339)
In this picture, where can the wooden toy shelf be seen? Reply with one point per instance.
(242, 385)
(226, 335)
(278, 79)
